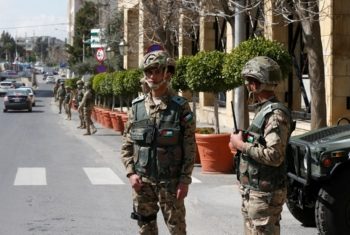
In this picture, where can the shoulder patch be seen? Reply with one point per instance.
(179, 100)
(138, 99)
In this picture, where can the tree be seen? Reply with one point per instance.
(85, 19)
(308, 13)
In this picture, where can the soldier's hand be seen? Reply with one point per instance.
(232, 149)
(181, 192)
(236, 140)
(136, 182)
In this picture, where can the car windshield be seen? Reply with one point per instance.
(26, 89)
(17, 92)
(5, 83)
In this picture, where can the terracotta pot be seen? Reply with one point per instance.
(93, 114)
(124, 119)
(113, 116)
(120, 124)
(107, 122)
(215, 156)
(98, 114)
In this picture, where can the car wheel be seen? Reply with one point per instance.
(333, 206)
(306, 215)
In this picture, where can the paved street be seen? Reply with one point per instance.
(54, 180)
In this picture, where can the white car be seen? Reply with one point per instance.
(30, 93)
(4, 86)
(50, 79)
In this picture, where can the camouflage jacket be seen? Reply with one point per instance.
(188, 126)
(267, 159)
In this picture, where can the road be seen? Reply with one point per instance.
(54, 180)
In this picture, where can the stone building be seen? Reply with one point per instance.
(212, 31)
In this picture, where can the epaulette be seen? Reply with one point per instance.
(138, 99)
(179, 100)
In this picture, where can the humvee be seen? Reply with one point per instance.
(318, 166)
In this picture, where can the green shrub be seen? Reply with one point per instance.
(204, 72)
(178, 80)
(118, 82)
(97, 82)
(249, 49)
(132, 83)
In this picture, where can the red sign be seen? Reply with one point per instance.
(100, 54)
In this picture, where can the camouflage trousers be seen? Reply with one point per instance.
(81, 117)
(60, 104)
(87, 119)
(147, 202)
(68, 109)
(262, 211)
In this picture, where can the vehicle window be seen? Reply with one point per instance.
(17, 92)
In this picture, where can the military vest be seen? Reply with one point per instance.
(90, 99)
(258, 176)
(67, 97)
(80, 95)
(158, 152)
(61, 93)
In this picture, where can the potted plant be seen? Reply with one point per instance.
(179, 83)
(203, 74)
(249, 49)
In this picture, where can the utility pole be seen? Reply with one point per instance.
(240, 101)
(83, 48)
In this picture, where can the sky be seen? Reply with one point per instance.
(34, 18)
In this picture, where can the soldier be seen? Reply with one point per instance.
(262, 164)
(159, 148)
(61, 93)
(87, 104)
(55, 88)
(68, 100)
(78, 99)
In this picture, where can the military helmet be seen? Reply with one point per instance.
(80, 82)
(88, 85)
(264, 69)
(157, 58)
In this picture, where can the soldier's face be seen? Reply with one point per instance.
(156, 78)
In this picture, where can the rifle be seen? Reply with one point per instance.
(236, 157)
(249, 137)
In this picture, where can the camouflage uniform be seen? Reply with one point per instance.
(159, 146)
(68, 103)
(87, 104)
(79, 98)
(61, 93)
(262, 165)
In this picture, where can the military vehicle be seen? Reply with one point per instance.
(319, 178)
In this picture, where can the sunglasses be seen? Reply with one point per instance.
(154, 71)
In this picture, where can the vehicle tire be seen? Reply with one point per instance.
(306, 216)
(333, 206)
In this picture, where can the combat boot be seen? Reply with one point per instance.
(87, 131)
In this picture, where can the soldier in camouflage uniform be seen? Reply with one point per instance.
(87, 104)
(68, 102)
(159, 148)
(78, 99)
(61, 94)
(262, 164)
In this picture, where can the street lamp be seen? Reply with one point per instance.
(123, 47)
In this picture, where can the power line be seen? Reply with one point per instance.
(33, 26)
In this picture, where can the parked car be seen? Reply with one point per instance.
(50, 79)
(31, 93)
(17, 99)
